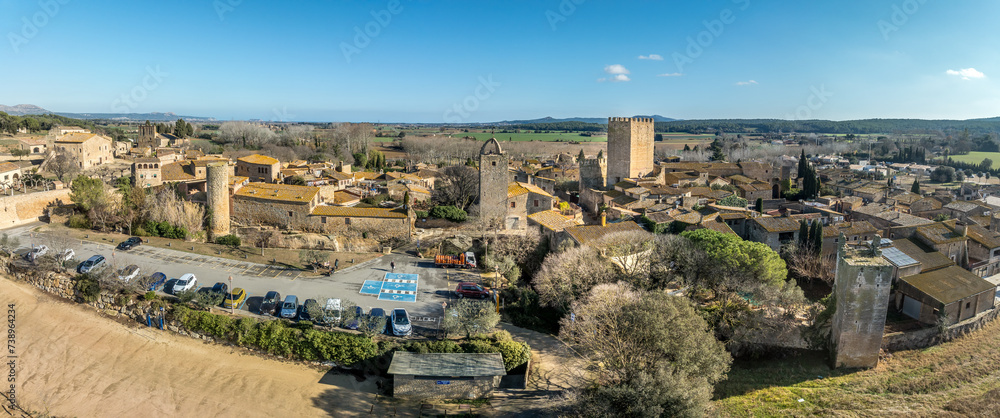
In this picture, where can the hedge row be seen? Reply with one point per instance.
(281, 338)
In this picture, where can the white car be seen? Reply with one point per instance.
(66, 255)
(128, 273)
(331, 312)
(185, 282)
(37, 252)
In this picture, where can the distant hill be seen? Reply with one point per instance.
(549, 119)
(23, 109)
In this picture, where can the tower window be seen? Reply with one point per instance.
(513, 204)
(494, 163)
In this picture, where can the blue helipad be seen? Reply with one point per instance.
(371, 287)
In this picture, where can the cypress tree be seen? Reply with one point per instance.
(817, 238)
(759, 205)
(916, 186)
(803, 234)
(802, 164)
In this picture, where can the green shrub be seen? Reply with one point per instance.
(514, 353)
(140, 232)
(450, 213)
(89, 288)
(421, 214)
(150, 295)
(479, 346)
(78, 221)
(230, 240)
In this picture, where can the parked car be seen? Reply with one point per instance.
(236, 298)
(471, 290)
(374, 314)
(156, 281)
(66, 255)
(185, 282)
(331, 312)
(400, 322)
(269, 305)
(92, 264)
(290, 307)
(310, 305)
(36, 252)
(127, 273)
(220, 288)
(356, 320)
(129, 243)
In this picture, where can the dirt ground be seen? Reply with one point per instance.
(74, 362)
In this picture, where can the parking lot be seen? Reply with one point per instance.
(435, 286)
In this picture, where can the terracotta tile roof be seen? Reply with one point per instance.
(279, 192)
(950, 284)
(237, 180)
(856, 228)
(204, 162)
(417, 189)
(515, 189)
(965, 205)
(777, 224)
(987, 238)
(717, 225)
(346, 212)
(586, 234)
(553, 220)
(939, 233)
(928, 258)
(344, 197)
(691, 218)
(258, 159)
(8, 166)
(76, 138)
(366, 175)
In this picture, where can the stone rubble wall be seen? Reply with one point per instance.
(927, 337)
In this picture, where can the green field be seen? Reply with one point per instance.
(523, 136)
(977, 157)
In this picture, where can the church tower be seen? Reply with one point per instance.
(493, 182)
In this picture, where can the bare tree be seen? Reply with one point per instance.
(566, 276)
(458, 186)
(630, 251)
(245, 134)
(62, 164)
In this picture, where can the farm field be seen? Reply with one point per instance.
(525, 136)
(977, 157)
(958, 378)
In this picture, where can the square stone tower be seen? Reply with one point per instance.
(593, 173)
(630, 148)
(493, 182)
(147, 136)
(862, 283)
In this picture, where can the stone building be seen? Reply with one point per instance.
(493, 181)
(34, 145)
(445, 375)
(147, 136)
(376, 223)
(147, 172)
(952, 293)
(279, 205)
(259, 168)
(862, 283)
(773, 231)
(89, 150)
(9, 173)
(630, 148)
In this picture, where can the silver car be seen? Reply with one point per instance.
(400, 320)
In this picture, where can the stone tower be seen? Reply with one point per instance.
(593, 173)
(861, 285)
(147, 136)
(630, 148)
(493, 182)
(218, 199)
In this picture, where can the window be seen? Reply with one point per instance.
(513, 204)
(322, 219)
(494, 163)
(290, 213)
(347, 221)
(536, 203)
(967, 305)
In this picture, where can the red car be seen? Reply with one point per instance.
(471, 290)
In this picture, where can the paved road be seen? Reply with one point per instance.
(434, 286)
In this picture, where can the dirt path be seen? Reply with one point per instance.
(74, 362)
(555, 369)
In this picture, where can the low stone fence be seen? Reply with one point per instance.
(910, 340)
(63, 286)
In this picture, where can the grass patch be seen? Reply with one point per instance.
(956, 377)
(977, 157)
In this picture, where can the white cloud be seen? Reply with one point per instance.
(670, 75)
(614, 79)
(966, 73)
(616, 69)
(746, 83)
(654, 57)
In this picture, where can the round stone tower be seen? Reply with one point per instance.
(218, 199)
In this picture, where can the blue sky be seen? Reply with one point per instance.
(481, 61)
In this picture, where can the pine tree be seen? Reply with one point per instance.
(579, 158)
(916, 186)
(687, 147)
(803, 166)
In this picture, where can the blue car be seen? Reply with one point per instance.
(156, 281)
(353, 323)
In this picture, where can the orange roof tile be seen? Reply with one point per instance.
(258, 159)
(359, 212)
(279, 192)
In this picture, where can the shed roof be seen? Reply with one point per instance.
(586, 233)
(349, 212)
(279, 192)
(258, 159)
(553, 220)
(777, 224)
(447, 364)
(949, 285)
(929, 259)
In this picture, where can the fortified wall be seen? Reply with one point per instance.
(25, 208)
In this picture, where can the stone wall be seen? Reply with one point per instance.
(407, 387)
(63, 286)
(24, 208)
(927, 337)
